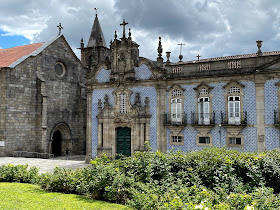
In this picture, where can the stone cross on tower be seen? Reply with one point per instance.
(123, 24)
(181, 56)
(59, 28)
(198, 56)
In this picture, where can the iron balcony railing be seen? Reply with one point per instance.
(203, 118)
(179, 120)
(276, 117)
(234, 118)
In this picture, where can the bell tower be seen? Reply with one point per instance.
(96, 51)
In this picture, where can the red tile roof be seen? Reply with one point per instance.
(10, 55)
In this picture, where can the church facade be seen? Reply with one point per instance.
(43, 100)
(228, 101)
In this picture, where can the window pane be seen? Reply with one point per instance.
(204, 140)
(238, 140)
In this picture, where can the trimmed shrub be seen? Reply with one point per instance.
(18, 173)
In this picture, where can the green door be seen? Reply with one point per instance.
(124, 141)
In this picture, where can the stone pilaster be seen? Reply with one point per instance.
(259, 82)
(89, 127)
(161, 105)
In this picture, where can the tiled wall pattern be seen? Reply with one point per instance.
(272, 138)
(270, 100)
(104, 75)
(271, 105)
(98, 94)
(218, 105)
(151, 93)
(218, 100)
(142, 72)
(249, 102)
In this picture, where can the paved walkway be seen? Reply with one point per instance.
(46, 165)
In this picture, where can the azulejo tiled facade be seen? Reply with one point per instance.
(228, 102)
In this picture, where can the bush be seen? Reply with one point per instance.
(213, 178)
(18, 173)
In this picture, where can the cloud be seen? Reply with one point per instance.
(212, 28)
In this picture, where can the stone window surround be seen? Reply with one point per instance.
(176, 143)
(235, 136)
(208, 95)
(63, 69)
(176, 87)
(117, 97)
(202, 144)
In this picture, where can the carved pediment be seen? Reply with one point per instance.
(176, 87)
(233, 83)
(203, 85)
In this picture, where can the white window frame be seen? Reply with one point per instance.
(176, 110)
(203, 110)
(234, 110)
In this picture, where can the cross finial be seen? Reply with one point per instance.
(181, 56)
(59, 28)
(181, 48)
(198, 56)
(95, 11)
(123, 24)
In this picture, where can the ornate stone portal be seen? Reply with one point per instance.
(122, 114)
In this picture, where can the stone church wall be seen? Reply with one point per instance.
(21, 118)
(65, 101)
(66, 96)
(3, 88)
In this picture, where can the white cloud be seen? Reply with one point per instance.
(211, 28)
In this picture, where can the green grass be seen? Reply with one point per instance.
(27, 196)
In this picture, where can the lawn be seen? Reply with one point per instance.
(28, 196)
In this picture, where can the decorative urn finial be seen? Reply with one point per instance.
(259, 45)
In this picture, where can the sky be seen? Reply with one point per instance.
(210, 28)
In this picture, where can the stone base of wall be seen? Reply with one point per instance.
(2, 151)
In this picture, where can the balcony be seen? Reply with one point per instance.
(180, 121)
(234, 118)
(203, 118)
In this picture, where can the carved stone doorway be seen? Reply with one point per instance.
(56, 144)
(124, 141)
(60, 140)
